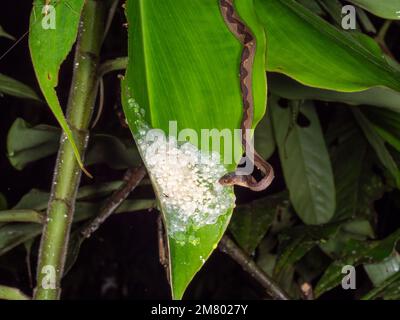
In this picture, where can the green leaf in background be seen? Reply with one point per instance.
(37, 199)
(250, 222)
(378, 144)
(288, 88)
(388, 9)
(264, 140)
(366, 22)
(314, 6)
(31, 206)
(310, 50)
(26, 144)
(14, 234)
(8, 293)
(357, 186)
(388, 289)
(112, 151)
(15, 88)
(356, 253)
(305, 163)
(4, 34)
(184, 67)
(386, 123)
(381, 271)
(49, 48)
(296, 242)
(28, 215)
(333, 8)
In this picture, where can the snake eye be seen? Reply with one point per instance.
(224, 180)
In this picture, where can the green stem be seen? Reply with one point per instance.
(113, 65)
(60, 211)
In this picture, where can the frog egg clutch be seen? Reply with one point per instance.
(187, 183)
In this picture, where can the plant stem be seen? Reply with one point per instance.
(113, 65)
(229, 247)
(60, 211)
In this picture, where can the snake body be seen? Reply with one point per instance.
(245, 36)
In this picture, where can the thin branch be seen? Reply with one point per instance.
(163, 249)
(101, 102)
(132, 179)
(110, 18)
(229, 247)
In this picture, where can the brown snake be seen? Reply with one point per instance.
(243, 33)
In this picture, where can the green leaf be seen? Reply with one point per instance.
(250, 222)
(366, 22)
(34, 200)
(315, 53)
(386, 123)
(290, 89)
(357, 186)
(264, 140)
(112, 151)
(37, 200)
(314, 6)
(184, 66)
(388, 9)
(49, 48)
(333, 8)
(378, 144)
(381, 271)
(305, 163)
(26, 144)
(14, 234)
(388, 289)
(9, 293)
(15, 88)
(27, 209)
(5, 34)
(356, 253)
(20, 216)
(296, 242)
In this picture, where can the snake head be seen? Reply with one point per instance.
(227, 180)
